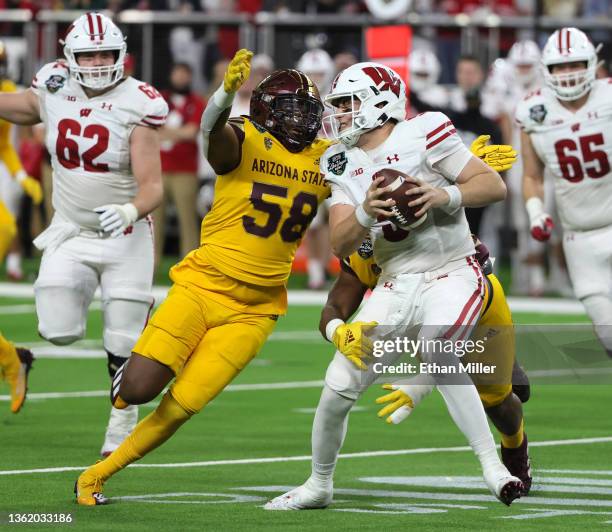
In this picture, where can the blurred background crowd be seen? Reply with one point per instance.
(472, 59)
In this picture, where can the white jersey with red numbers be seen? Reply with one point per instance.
(428, 148)
(89, 140)
(576, 148)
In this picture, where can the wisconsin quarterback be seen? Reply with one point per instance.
(228, 293)
(566, 131)
(101, 135)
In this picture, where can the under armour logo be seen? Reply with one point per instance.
(108, 106)
(388, 285)
(391, 159)
(85, 112)
(128, 230)
(575, 127)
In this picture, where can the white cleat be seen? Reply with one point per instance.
(308, 496)
(120, 425)
(502, 484)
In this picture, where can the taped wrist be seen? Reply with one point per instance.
(331, 327)
(455, 198)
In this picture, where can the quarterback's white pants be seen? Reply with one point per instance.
(70, 273)
(589, 262)
(442, 304)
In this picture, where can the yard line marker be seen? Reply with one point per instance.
(307, 458)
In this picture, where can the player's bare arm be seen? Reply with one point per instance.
(540, 222)
(343, 299)
(477, 185)
(221, 141)
(20, 108)
(349, 225)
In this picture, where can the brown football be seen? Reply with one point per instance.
(403, 215)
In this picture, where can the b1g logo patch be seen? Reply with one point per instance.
(55, 83)
(336, 164)
(538, 113)
(366, 249)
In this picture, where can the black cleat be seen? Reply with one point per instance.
(518, 463)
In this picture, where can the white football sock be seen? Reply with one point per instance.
(316, 272)
(328, 432)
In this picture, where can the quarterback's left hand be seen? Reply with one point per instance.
(115, 219)
(429, 197)
(400, 404)
(500, 157)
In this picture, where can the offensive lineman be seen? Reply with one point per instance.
(567, 131)
(228, 293)
(101, 132)
(432, 264)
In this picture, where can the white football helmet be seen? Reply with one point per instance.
(525, 54)
(95, 32)
(381, 94)
(318, 66)
(424, 69)
(569, 45)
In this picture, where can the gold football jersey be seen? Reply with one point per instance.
(8, 155)
(262, 209)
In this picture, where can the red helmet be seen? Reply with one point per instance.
(288, 105)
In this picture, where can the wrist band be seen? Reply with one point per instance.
(364, 219)
(454, 201)
(331, 327)
(535, 207)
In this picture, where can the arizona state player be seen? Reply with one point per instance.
(15, 362)
(228, 293)
(360, 273)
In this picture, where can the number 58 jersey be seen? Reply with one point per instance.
(576, 148)
(262, 208)
(89, 140)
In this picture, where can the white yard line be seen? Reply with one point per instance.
(313, 298)
(306, 458)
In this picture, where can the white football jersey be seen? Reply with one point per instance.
(418, 148)
(576, 149)
(89, 140)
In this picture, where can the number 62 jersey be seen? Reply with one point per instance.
(576, 148)
(89, 140)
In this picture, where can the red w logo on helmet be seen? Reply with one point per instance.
(384, 79)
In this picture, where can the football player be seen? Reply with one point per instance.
(566, 131)
(424, 70)
(228, 293)
(101, 132)
(430, 281)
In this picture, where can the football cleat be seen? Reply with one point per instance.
(88, 490)
(19, 381)
(518, 463)
(120, 424)
(308, 496)
(502, 484)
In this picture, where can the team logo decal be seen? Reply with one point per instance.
(55, 83)
(268, 143)
(336, 164)
(538, 113)
(366, 249)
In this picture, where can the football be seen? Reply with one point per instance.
(403, 215)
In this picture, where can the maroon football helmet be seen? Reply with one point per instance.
(288, 105)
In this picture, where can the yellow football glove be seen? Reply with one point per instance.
(31, 187)
(500, 157)
(238, 70)
(352, 341)
(400, 407)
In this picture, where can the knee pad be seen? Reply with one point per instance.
(599, 309)
(62, 313)
(125, 316)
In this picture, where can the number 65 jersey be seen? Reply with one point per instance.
(576, 148)
(89, 140)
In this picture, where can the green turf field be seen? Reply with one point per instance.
(253, 443)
